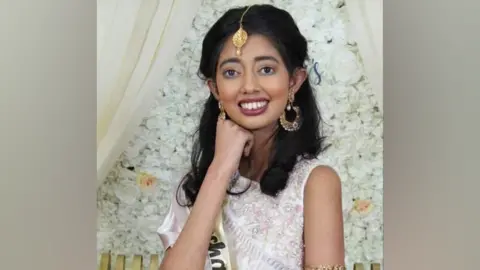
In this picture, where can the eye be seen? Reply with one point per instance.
(267, 70)
(229, 73)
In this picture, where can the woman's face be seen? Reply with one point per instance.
(253, 88)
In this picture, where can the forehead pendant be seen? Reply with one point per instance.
(240, 37)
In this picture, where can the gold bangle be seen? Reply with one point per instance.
(325, 267)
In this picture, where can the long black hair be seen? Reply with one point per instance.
(307, 142)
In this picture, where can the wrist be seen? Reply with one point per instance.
(222, 169)
(215, 183)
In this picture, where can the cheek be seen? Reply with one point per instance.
(229, 90)
(276, 89)
(277, 92)
(279, 98)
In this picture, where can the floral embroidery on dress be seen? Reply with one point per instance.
(266, 232)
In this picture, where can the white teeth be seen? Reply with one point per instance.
(253, 105)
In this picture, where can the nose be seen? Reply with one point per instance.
(250, 83)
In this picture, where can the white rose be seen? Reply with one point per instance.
(344, 66)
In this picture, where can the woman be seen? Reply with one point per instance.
(257, 196)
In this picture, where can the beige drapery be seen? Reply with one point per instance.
(137, 41)
(366, 18)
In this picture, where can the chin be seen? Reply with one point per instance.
(256, 124)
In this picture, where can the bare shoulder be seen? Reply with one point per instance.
(323, 179)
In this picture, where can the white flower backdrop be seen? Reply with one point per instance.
(135, 196)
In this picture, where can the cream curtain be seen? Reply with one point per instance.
(137, 41)
(367, 24)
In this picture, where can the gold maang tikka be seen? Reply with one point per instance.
(240, 37)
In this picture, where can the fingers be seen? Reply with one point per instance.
(220, 122)
(230, 130)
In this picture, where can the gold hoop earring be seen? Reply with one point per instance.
(297, 122)
(222, 115)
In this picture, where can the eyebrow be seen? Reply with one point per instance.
(256, 59)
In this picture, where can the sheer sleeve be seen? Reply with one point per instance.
(173, 223)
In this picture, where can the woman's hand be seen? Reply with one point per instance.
(232, 141)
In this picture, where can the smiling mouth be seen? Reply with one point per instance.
(253, 108)
(254, 105)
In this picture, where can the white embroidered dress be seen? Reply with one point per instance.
(264, 233)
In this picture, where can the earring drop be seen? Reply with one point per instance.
(222, 115)
(297, 122)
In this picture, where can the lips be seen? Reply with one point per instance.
(253, 107)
